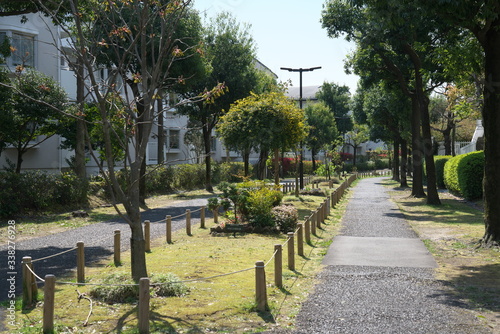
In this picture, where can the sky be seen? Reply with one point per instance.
(288, 33)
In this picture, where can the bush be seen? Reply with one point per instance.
(188, 177)
(285, 217)
(439, 162)
(159, 180)
(121, 290)
(463, 175)
(261, 203)
(37, 191)
(168, 285)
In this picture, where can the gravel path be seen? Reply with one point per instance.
(381, 299)
(98, 239)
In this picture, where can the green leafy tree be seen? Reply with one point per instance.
(337, 98)
(387, 112)
(139, 40)
(482, 19)
(322, 128)
(35, 101)
(359, 134)
(407, 52)
(268, 121)
(230, 51)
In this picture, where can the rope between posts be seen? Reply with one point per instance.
(41, 279)
(54, 255)
(158, 284)
(272, 257)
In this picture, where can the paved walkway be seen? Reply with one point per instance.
(379, 277)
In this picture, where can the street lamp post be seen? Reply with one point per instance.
(300, 70)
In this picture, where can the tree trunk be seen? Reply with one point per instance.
(246, 162)
(447, 140)
(261, 166)
(416, 151)
(395, 168)
(19, 160)
(491, 123)
(313, 157)
(430, 167)
(404, 164)
(161, 133)
(137, 244)
(208, 159)
(80, 169)
(276, 166)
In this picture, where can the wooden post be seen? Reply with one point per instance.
(27, 282)
(216, 216)
(188, 222)
(202, 217)
(147, 236)
(291, 253)
(116, 248)
(143, 308)
(48, 304)
(307, 227)
(319, 218)
(168, 227)
(278, 266)
(260, 286)
(300, 240)
(313, 222)
(80, 262)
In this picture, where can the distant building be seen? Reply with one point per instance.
(35, 39)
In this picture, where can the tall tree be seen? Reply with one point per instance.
(268, 121)
(403, 49)
(482, 18)
(322, 128)
(36, 99)
(230, 50)
(357, 136)
(148, 48)
(337, 98)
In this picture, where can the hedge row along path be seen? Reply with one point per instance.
(379, 278)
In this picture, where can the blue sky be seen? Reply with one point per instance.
(289, 34)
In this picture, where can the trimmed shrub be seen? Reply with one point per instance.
(285, 217)
(188, 177)
(463, 175)
(37, 191)
(168, 285)
(121, 290)
(260, 203)
(439, 162)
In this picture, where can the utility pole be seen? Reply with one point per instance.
(300, 70)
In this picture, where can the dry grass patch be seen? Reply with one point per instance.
(223, 303)
(451, 233)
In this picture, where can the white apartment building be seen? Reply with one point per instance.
(42, 41)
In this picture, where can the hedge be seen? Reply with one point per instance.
(463, 175)
(439, 162)
(38, 191)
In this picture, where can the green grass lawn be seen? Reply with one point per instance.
(224, 304)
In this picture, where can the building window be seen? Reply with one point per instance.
(213, 144)
(173, 139)
(22, 48)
